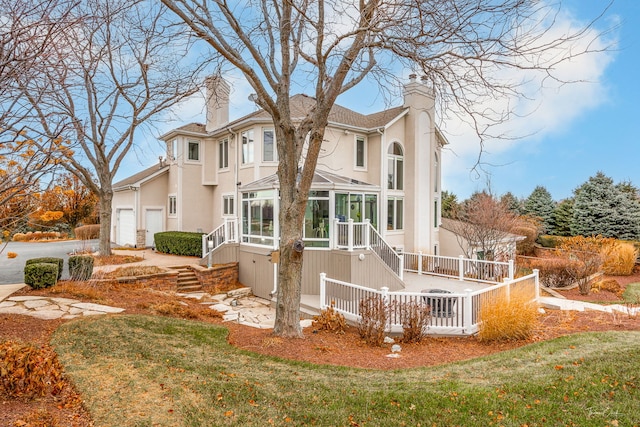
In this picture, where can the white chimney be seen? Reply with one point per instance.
(217, 102)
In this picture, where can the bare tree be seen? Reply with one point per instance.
(462, 47)
(105, 79)
(27, 29)
(484, 225)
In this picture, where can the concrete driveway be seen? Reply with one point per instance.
(12, 269)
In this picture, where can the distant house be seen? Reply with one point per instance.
(503, 245)
(378, 177)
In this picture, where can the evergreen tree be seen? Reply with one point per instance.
(512, 203)
(540, 204)
(449, 206)
(602, 208)
(563, 217)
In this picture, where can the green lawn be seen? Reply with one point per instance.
(155, 371)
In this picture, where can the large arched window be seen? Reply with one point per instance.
(395, 171)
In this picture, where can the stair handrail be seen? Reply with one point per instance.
(385, 252)
(224, 233)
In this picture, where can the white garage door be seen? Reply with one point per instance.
(126, 227)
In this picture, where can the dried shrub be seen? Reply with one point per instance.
(607, 285)
(11, 254)
(29, 371)
(374, 319)
(87, 232)
(619, 258)
(553, 272)
(32, 236)
(80, 290)
(330, 320)
(100, 260)
(510, 319)
(80, 267)
(131, 271)
(415, 318)
(587, 254)
(183, 310)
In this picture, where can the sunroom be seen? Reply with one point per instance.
(333, 199)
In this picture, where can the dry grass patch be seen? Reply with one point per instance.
(181, 310)
(131, 271)
(507, 319)
(100, 260)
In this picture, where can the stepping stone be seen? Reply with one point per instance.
(47, 308)
(7, 304)
(24, 298)
(97, 307)
(305, 323)
(47, 314)
(18, 309)
(239, 293)
(222, 308)
(36, 303)
(64, 301)
(229, 316)
(92, 313)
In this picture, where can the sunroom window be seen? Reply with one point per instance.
(258, 217)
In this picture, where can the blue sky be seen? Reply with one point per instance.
(574, 130)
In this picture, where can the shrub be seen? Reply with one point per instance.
(619, 258)
(80, 267)
(374, 319)
(41, 275)
(179, 243)
(553, 272)
(608, 285)
(547, 241)
(48, 260)
(415, 319)
(36, 235)
(631, 293)
(29, 371)
(330, 320)
(587, 254)
(11, 254)
(87, 232)
(505, 319)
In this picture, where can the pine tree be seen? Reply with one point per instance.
(562, 218)
(512, 203)
(540, 204)
(602, 208)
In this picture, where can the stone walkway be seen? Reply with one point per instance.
(245, 310)
(49, 308)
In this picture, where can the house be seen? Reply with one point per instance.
(497, 245)
(380, 170)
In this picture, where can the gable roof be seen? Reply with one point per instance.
(140, 177)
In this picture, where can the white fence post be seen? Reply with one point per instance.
(350, 235)
(401, 266)
(336, 232)
(204, 245)
(537, 283)
(323, 290)
(419, 262)
(384, 292)
(461, 267)
(511, 269)
(467, 314)
(367, 233)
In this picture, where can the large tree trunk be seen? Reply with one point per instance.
(105, 198)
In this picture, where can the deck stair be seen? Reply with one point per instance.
(187, 280)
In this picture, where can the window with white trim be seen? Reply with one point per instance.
(173, 205)
(247, 146)
(172, 148)
(223, 154)
(269, 152)
(228, 204)
(193, 151)
(360, 152)
(395, 170)
(258, 217)
(395, 212)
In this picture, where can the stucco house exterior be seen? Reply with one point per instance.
(381, 171)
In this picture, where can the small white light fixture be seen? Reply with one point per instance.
(361, 257)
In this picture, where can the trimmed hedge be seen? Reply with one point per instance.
(80, 267)
(40, 275)
(48, 260)
(87, 232)
(179, 243)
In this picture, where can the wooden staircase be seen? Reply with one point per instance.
(187, 280)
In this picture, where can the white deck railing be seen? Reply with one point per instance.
(225, 233)
(460, 268)
(362, 235)
(455, 313)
